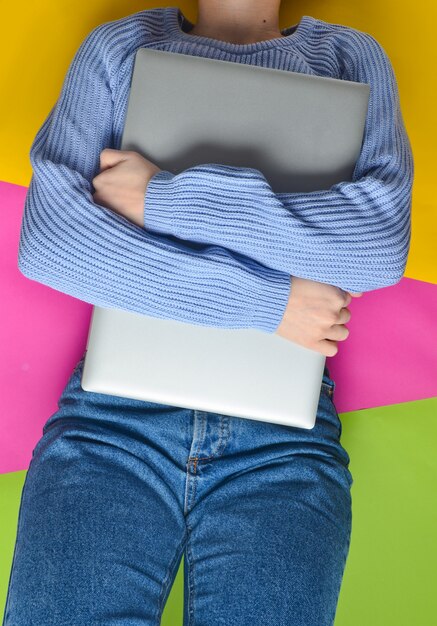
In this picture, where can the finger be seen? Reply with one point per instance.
(344, 316)
(337, 332)
(347, 299)
(110, 157)
(327, 347)
(346, 295)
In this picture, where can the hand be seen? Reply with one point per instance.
(122, 182)
(315, 315)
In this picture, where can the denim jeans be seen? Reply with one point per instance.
(118, 490)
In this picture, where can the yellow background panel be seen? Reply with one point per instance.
(38, 41)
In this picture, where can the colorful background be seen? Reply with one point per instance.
(385, 373)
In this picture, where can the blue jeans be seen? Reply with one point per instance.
(118, 489)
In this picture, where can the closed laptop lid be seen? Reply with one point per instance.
(304, 133)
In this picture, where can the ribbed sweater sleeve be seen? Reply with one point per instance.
(355, 235)
(72, 244)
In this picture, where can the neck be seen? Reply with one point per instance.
(238, 21)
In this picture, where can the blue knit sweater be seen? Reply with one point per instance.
(218, 246)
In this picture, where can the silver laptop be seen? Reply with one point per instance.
(305, 134)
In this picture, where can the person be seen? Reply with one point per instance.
(118, 490)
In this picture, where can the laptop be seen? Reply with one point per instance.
(304, 133)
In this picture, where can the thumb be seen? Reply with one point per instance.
(110, 157)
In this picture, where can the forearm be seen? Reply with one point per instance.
(354, 235)
(71, 243)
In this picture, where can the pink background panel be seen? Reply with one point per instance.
(389, 356)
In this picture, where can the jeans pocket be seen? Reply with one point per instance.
(328, 386)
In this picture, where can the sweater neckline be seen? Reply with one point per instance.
(175, 24)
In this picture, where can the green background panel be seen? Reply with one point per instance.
(390, 575)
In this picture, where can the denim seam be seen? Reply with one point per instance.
(224, 424)
(188, 483)
(190, 488)
(166, 583)
(221, 445)
(191, 483)
(217, 448)
(202, 430)
(190, 581)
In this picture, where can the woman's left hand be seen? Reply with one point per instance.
(122, 182)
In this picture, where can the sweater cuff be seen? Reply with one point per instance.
(270, 303)
(157, 202)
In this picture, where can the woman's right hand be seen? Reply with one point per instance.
(316, 315)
